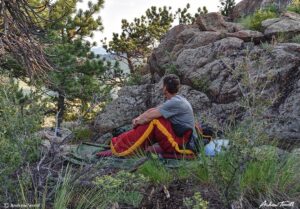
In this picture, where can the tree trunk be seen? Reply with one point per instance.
(130, 64)
(60, 109)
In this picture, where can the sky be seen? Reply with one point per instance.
(116, 10)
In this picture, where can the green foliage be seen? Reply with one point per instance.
(226, 7)
(136, 39)
(71, 23)
(134, 79)
(267, 46)
(294, 6)
(63, 190)
(187, 18)
(82, 133)
(296, 39)
(201, 84)
(69, 195)
(283, 37)
(251, 170)
(270, 176)
(20, 117)
(79, 75)
(254, 21)
(8, 65)
(195, 202)
(172, 69)
(123, 187)
(156, 172)
(197, 170)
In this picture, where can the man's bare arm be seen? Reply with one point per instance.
(147, 116)
(146, 112)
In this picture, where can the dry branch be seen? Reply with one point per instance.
(19, 36)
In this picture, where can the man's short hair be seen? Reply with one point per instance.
(172, 83)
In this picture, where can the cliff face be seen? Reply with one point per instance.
(221, 65)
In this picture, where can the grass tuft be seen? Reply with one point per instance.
(156, 172)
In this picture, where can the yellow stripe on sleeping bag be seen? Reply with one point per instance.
(136, 145)
(139, 142)
(171, 139)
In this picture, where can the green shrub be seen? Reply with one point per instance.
(172, 69)
(295, 6)
(254, 21)
(201, 84)
(82, 133)
(195, 202)
(20, 117)
(123, 188)
(267, 47)
(134, 79)
(66, 192)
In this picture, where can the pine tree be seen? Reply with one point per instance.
(138, 37)
(78, 75)
(226, 7)
(186, 17)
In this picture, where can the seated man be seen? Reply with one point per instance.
(170, 125)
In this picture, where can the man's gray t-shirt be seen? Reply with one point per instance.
(179, 112)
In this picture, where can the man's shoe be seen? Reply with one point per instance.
(106, 153)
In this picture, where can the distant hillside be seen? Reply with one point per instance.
(98, 50)
(103, 54)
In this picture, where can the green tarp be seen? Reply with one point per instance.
(85, 154)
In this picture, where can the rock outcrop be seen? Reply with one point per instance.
(221, 65)
(247, 7)
(289, 23)
(212, 22)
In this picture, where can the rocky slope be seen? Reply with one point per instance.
(221, 65)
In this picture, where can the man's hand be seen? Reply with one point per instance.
(146, 117)
(135, 122)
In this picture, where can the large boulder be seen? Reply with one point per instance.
(285, 123)
(208, 29)
(131, 102)
(247, 35)
(160, 57)
(248, 7)
(288, 23)
(212, 22)
(200, 69)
